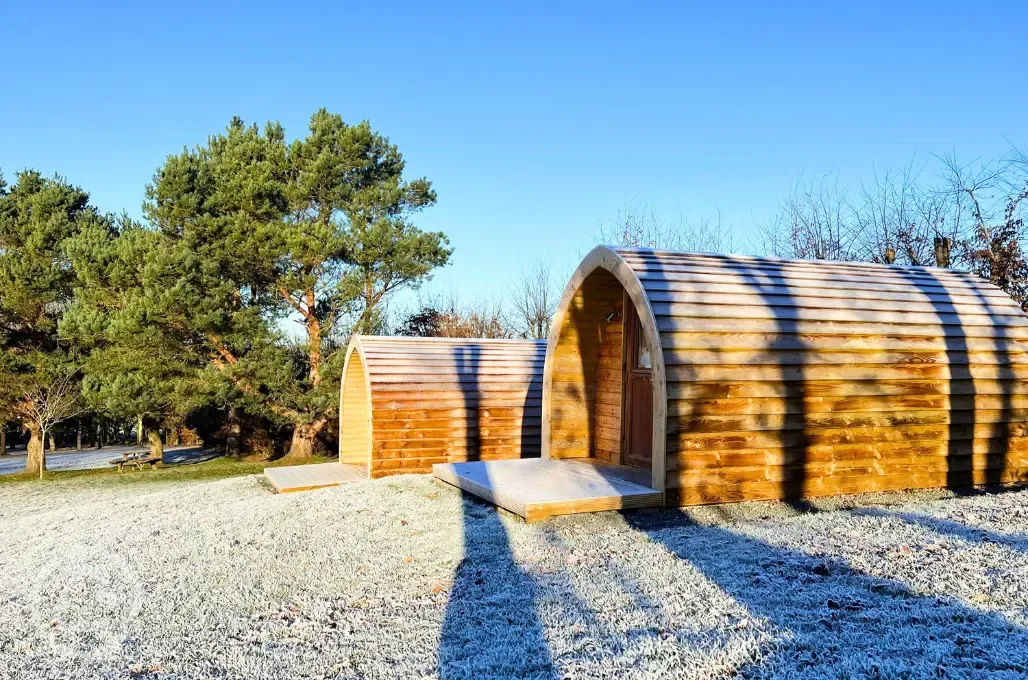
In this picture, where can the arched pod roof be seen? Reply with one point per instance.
(779, 359)
(407, 403)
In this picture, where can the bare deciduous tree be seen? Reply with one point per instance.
(448, 316)
(897, 220)
(636, 226)
(990, 202)
(534, 300)
(45, 404)
(815, 222)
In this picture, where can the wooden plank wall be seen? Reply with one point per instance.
(441, 400)
(789, 379)
(586, 389)
(609, 374)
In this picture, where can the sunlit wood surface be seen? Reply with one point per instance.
(316, 476)
(409, 403)
(537, 488)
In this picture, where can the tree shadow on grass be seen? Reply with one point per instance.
(491, 629)
(578, 607)
(939, 525)
(835, 621)
(190, 456)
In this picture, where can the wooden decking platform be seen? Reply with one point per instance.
(307, 477)
(537, 488)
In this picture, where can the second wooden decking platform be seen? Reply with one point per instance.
(538, 488)
(316, 476)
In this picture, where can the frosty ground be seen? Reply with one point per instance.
(403, 578)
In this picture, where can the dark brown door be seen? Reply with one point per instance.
(638, 395)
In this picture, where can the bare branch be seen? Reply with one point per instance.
(815, 221)
(535, 298)
(635, 226)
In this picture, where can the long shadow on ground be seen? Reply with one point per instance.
(491, 629)
(190, 456)
(949, 527)
(837, 622)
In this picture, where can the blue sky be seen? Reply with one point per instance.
(534, 122)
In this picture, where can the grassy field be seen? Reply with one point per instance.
(211, 469)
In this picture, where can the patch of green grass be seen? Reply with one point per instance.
(215, 468)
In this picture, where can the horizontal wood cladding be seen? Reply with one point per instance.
(436, 400)
(675, 358)
(818, 326)
(838, 485)
(781, 342)
(689, 443)
(787, 379)
(967, 316)
(684, 391)
(689, 408)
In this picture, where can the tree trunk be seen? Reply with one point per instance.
(302, 446)
(234, 434)
(139, 431)
(53, 441)
(3, 439)
(35, 462)
(156, 445)
(313, 339)
(943, 248)
(78, 437)
(174, 435)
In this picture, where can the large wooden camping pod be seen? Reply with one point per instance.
(742, 378)
(408, 403)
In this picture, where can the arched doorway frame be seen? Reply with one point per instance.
(357, 348)
(603, 257)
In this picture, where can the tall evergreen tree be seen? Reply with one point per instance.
(125, 321)
(37, 217)
(316, 232)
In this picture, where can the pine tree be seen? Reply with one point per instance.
(125, 322)
(37, 217)
(316, 232)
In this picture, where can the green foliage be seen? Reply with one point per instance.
(262, 234)
(37, 218)
(247, 235)
(127, 318)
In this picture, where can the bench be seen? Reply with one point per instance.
(138, 460)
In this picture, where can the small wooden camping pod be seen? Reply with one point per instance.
(742, 378)
(407, 403)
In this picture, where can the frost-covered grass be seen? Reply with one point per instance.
(402, 578)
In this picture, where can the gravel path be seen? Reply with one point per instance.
(400, 578)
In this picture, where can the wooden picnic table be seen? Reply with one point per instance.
(135, 458)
